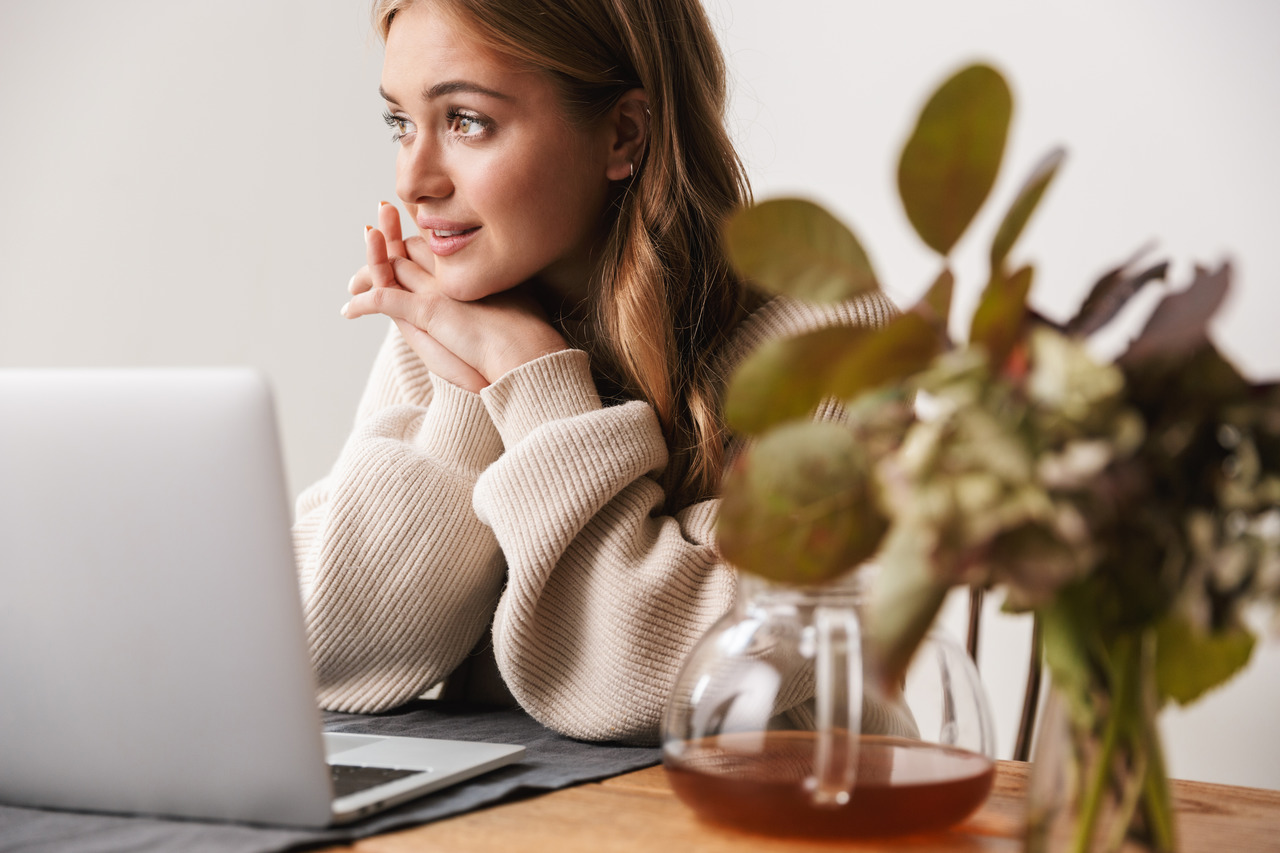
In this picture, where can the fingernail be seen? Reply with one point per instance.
(381, 203)
(344, 309)
(367, 229)
(351, 286)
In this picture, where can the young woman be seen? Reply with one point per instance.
(533, 473)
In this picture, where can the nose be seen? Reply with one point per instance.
(421, 173)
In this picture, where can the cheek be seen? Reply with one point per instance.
(514, 186)
(514, 213)
(555, 197)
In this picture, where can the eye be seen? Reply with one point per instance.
(466, 125)
(400, 126)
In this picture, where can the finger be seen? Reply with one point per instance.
(394, 302)
(389, 225)
(479, 333)
(417, 250)
(398, 305)
(360, 282)
(439, 360)
(379, 264)
(411, 276)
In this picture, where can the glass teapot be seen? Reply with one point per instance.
(776, 725)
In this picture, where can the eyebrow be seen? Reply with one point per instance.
(450, 87)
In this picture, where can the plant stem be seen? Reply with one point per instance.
(1092, 805)
(1093, 795)
(1133, 788)
(1127, 682)
(1156, 795)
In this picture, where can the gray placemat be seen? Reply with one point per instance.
(552, 762)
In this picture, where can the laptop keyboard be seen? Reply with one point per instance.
(348, 779)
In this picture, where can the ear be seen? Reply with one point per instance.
(628, 135)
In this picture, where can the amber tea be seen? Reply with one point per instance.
(756, 781)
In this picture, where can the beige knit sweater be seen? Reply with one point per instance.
(529, 509)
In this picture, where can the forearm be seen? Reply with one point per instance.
(399, 577)
(596, 652)
(605, 597)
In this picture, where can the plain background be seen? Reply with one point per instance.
(187, 183)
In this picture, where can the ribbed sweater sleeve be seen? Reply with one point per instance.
(605, 596)
(399, 578)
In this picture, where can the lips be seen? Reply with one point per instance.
(446, 237)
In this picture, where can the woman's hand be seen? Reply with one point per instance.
(469, 344)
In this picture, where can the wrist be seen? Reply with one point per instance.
(550, 388)
(518, 353)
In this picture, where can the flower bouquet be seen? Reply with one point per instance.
(1131, 504)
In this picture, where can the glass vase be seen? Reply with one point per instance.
(1098, 780)
(778, 725)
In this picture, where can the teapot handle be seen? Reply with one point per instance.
(838, 705)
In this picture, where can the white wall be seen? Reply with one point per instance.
(186, 183)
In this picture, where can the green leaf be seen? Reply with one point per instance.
(905, 600)
(953, 155)
(1073, 649)
(1111, 293)
(1189, 661)
(785, 378)
(795, 247)
(997, 323)
(903, 348)
(936, 304)
(1180, 323)
(1023, 206)
(799, 507)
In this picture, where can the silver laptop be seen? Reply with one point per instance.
(152, 650)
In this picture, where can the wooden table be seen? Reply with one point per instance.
(638, 812)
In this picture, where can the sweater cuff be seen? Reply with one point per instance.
(547, 389)
(456, 429)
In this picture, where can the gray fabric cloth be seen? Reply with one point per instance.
(552, 762)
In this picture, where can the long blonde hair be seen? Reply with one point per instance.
(665, 297)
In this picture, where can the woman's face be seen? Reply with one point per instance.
(501, 187)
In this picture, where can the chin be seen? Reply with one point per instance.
(467, 291)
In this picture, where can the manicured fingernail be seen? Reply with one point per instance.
(367, 229)
(382, 203)
(345, 308)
